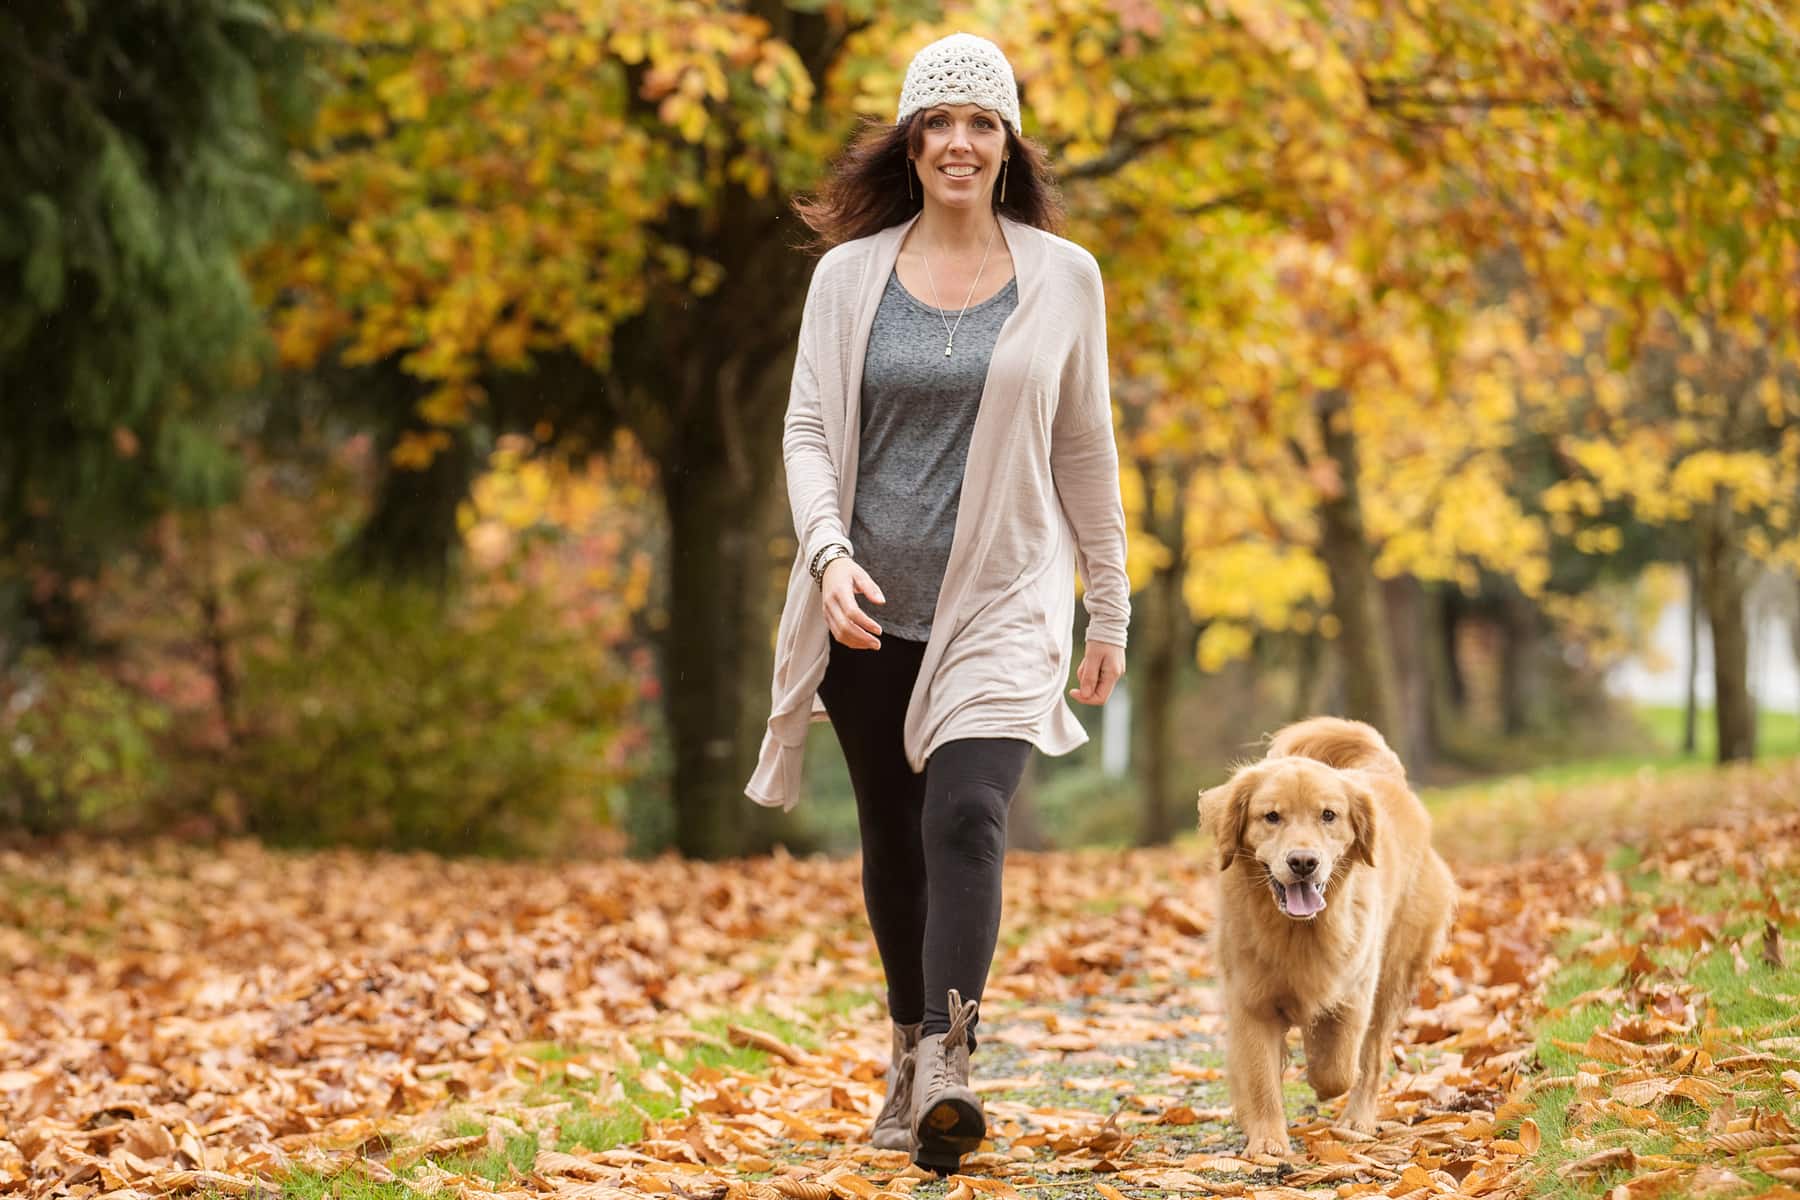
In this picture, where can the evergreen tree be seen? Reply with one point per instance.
(142, 157)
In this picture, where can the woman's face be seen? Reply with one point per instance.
(960, 154)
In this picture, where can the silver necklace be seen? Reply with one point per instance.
(949, 329)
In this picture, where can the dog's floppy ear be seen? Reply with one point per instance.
(1362, 823)
(1230, 804)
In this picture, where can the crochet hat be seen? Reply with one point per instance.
(961, 69)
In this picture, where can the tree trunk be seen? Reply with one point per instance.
(1314, 678)
(1159, 633)
(1690, 714)
(717, 651)
(1724, 581)
(1023, 829)
(1456, 686)
(1794, 619)
(411, 532)
(1521, 675)
(1410, 626)
(1368, 671)
(702, 383)
(218, 641)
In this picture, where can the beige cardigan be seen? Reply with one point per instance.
(1040, 496)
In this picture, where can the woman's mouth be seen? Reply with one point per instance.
(960, 170)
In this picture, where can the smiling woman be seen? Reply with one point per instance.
(949, 434)
(876, 183)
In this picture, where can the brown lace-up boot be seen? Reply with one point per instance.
(948, 1120)
(893, 1128)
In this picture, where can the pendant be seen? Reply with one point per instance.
(947, 346)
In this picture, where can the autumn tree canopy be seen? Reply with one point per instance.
(574, 214)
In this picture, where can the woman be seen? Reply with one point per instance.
(950, 462)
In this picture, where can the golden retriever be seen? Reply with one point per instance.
(1332, 904)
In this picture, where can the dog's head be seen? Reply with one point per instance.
(1300, 823)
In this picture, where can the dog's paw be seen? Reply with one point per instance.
(1359, 1122)
(1267, 1143)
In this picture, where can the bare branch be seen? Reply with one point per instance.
(1126, 150)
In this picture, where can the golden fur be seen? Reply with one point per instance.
(1346, 974)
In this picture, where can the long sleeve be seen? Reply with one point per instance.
(812, 476)
(1084, 461)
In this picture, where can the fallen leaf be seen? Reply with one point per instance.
(1737, 1143)
(1617, 1158)
(741, 1035)
(1714, 1181)
(1169, 911)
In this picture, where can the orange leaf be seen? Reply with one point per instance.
(1618, 1158)
(767, 1042)
(1737, 1143)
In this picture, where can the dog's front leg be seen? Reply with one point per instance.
(1391, 998)
(1333, 1042)
(1254, 1050)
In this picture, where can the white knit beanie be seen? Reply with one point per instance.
(961, 69)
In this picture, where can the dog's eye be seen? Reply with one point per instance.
(1328, 816)
(1272, 817)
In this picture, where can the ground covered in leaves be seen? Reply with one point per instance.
(1614, 1016)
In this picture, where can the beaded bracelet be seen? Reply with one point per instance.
(827, 556)
(812, 567)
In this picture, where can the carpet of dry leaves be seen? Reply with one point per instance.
(179, 1020)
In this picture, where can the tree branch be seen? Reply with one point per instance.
(1125, 151)
(1390, 98)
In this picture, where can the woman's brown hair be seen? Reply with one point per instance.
(867, 190)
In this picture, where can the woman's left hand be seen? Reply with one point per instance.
(1101, 666)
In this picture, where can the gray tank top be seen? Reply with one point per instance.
(918, 410)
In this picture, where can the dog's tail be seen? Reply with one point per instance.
(1337, 743)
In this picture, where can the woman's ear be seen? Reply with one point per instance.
(1362, 823)
(1231, 817)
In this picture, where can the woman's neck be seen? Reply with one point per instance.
(957, 230)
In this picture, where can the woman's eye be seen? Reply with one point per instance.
(1328, 816)
(1272, 817)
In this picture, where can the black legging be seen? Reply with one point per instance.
(932, 844)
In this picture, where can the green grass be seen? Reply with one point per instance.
(1777, 737)
(1743, 994)
(1777, 733)
(498, 1166)
(599, 1130)
(592, 1125)
(839, 1004)
(589, 1122)
(303, 1184)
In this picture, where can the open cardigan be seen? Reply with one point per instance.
(1040, 499)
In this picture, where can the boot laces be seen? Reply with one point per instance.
(962, 1020)
(899, 1099)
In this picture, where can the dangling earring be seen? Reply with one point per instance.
(1004, 163)
(909, 179)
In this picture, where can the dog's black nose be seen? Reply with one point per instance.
(1302, 863)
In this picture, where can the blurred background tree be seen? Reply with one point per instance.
(143, 156)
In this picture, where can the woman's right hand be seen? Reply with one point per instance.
(848, 623)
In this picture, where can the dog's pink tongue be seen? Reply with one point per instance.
(1303, 898)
